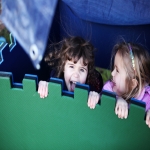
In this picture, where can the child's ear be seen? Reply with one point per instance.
(134, 83)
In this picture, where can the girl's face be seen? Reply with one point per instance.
(75, 72)
(119, 76)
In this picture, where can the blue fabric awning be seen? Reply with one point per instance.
(119, 12)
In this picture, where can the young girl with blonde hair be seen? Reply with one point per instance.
(73, 61)
(130, 77)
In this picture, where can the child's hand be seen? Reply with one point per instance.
(121, 108)
(148, 118)
(93, 99)
(43, 89)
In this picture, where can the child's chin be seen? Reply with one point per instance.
(114, 89)
(71, 90)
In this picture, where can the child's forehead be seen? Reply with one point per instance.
(118, 60)
(118, 56)
(77, 60)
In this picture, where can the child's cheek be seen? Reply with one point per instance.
(85, 77)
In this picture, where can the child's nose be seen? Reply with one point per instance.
(76, 73)
(113, 72)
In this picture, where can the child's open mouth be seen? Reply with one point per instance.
(72, 86)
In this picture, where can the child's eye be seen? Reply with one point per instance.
(71, 66)
(117, 70)
(82, 70)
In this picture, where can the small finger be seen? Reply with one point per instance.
(46, 90)
(89, 99)
(116, 110)
(93, 100)
(126, 113)
(147, 120)
(96, 99)
(119, 112)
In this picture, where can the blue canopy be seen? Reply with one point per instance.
(122, 12)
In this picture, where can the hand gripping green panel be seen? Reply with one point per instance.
(28, 122)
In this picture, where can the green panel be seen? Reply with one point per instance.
(28, 122)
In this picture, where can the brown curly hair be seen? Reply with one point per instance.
(71, 49)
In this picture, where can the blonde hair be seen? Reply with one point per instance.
(142, 67)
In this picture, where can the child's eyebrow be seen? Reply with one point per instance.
(70, 63)
(83, 67)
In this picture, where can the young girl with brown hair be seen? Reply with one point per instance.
(73, 61)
